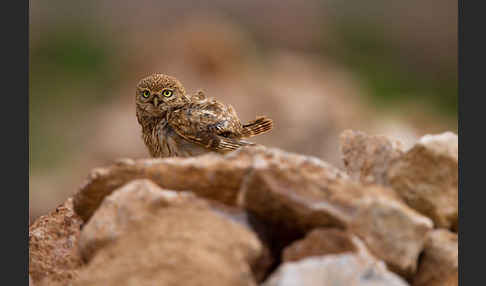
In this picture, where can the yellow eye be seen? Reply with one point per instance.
(167, 93)
(146, 93)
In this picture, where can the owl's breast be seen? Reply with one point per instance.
(165, 142)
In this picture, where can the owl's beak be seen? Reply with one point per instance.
(156, 101)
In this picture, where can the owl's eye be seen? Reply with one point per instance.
(146, 93)
(167, 93)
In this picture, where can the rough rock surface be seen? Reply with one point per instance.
(211, 176)
(323, 241)
(426, 177)
(223, 220)
(334, 270)
(53, 246)
(169, 237)
(297, 192)
(126, 206)
(439, 264)
(367, 158)
(300, 195)
(382, 222)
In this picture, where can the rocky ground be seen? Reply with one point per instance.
(261, 216)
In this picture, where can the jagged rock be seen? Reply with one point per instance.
(148, 234)
(127, 205)
(367, 158)
(323, 241)
(213, 225)
(297, 192)
(301, 194)
(264, 233)
(426, 177)
(334, 270)
(439, 264)
(211, 176)
(53, 246)
(392, 232)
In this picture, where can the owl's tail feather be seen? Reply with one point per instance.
(257, 126)
(226, 144)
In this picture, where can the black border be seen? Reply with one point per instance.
(14, 23)
(471, 71)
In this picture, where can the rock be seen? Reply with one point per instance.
(426, 177)
(300, 193)
(439, 264)
(295, 191)
(148, 234)
(323, 241)
(263, 231)
(211, 176)
(330, 270)
(367, 158)
(53, 246)
(392, 232)
(127, 205)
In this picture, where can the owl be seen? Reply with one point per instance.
(177, 124)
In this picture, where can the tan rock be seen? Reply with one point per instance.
(211, 176)
(149, 234)
(367, 158)
(392, 232)
(53, 250)
(296, 192)
(261, 267)
(126, 206)
(300, 194)
(323, 241)
(439, 265)
(426, 177)
(333, 270)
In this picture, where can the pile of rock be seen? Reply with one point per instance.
(261, 216)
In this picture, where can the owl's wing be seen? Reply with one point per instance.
(209, 124)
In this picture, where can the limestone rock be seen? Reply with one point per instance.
(323, 241)
(392, 232)
(367, 158)
(334, 270)
(53, 246)
(297, 192)
(211, 176)
(126, 206)
(426, 177)
(439, 265)
(174, 238)
(300, 194)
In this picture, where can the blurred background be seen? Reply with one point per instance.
(315, 67)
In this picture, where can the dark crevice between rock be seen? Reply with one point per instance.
(420, 259)
(275, 238)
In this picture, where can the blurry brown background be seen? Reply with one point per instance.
(315, 67)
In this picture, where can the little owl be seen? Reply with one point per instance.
(176, 124)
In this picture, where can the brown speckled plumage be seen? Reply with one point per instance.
(183, 125)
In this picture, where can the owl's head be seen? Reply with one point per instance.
(158, 93)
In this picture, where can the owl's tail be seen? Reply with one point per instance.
(227, 144)
(257, 126)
